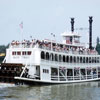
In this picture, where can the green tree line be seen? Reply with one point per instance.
(3, 50)
(98, 45)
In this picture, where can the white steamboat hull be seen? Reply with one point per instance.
(55, 82)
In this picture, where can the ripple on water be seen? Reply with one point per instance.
(78, 91)
(6, 85)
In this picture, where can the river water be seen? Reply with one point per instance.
(76, 91)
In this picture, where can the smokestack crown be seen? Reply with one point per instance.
(90, 20)
(72, 24)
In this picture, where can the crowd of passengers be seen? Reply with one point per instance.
(53, 46)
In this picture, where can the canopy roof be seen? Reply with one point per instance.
(70, 34)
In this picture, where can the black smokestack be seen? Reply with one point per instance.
(72, 25)
(90, 32)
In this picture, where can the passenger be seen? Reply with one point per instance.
(13, 42)
(33, 42)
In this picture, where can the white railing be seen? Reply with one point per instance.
(70, 51)
(21, 46)
(72, 78)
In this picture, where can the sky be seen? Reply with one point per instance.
(42, 17)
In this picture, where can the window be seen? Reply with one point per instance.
(90, 60)
(63, 58)
(56, 57)
(77, 59)
(60, 59)
(67, 59)
(42, 55)
(86, 59)
(18, 53)
(29, 52)
(45, 71)
(47, 56)
(13, 53)
(80, 59)
(93, 59)
(83, 59)
(74, 59)
(97, 59)
(23, 53)
(70, 59)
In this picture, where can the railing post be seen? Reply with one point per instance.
(66, 74)
(86, 72)
(92, 72)
(73, 73)
(79, 73)
(58, 73)
(97, 71)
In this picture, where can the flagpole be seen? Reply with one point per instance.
(21, 28)
(22, 34)
(51, 40)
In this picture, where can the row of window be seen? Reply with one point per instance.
(68, 59)
(23, 53)
(10, 69)
(45, 71)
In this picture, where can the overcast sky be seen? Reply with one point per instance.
(42, 17)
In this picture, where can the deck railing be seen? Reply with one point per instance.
(72, 78)
(55, 48)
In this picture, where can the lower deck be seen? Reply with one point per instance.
(66, 74)
(48, 73)
(59, 74)
(8, 71)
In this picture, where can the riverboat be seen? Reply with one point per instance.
(47, 61)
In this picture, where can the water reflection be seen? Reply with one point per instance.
(77, 91)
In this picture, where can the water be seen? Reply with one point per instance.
(77, 91)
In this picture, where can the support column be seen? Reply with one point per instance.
(58, 73)
(66, 74)
(97, 71)
(80, 73)
(86, 73)
(73, 73)
(92, 72)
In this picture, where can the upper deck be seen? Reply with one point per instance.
(70, 44)
(53, 46)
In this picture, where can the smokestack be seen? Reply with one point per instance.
(72, 25)
(90, 32)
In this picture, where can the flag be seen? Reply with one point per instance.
(21, 25)
(53, 34)
(31, 37)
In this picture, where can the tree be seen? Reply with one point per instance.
(98, 46)
(3, 50)
(98, 40)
